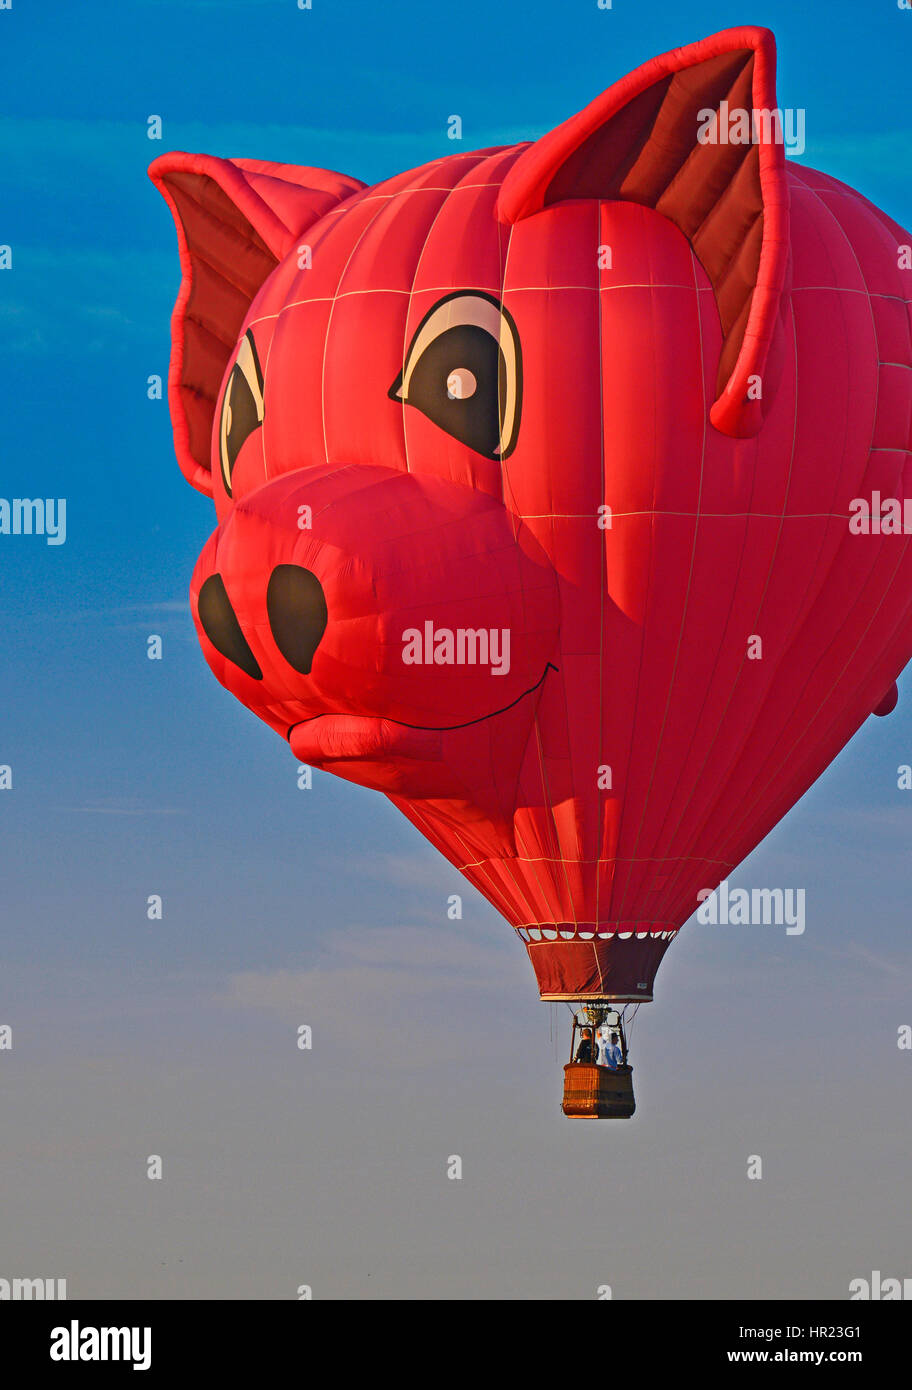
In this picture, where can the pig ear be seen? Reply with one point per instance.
(236, 219)
(652, 139)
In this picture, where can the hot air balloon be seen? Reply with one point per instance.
(534, 469)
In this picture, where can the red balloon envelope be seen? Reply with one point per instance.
(537, 472)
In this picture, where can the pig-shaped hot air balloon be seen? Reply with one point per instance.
(534, 470)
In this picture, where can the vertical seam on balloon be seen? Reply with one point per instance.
(520, 892)
(617, 893)
(329, 318)
(551, 822)
(758, 798)
(512, 519)
(694, 835)
(572, 912)
(534, 911)
(671, 886)
(601, 807)
(793, 635)
(535, 733)
(519, 844)
(502, 257)
(408, 308)
(552, 835)
(277, 317)
(795, 631)
(631, 858)
(693, 552)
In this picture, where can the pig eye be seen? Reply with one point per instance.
(242, 406)
(463, 370)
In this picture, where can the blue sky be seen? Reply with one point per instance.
(133, 777)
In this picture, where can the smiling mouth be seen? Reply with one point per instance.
(327, 737)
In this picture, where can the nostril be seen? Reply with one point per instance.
(221, 626)
(296, 606)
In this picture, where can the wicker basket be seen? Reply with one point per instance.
(598, 1093)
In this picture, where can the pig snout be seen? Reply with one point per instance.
(296, 607)
(319, 587)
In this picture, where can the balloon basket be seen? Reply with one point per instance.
(597, 1093)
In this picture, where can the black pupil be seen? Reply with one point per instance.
(475, 418)
(239, 399)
